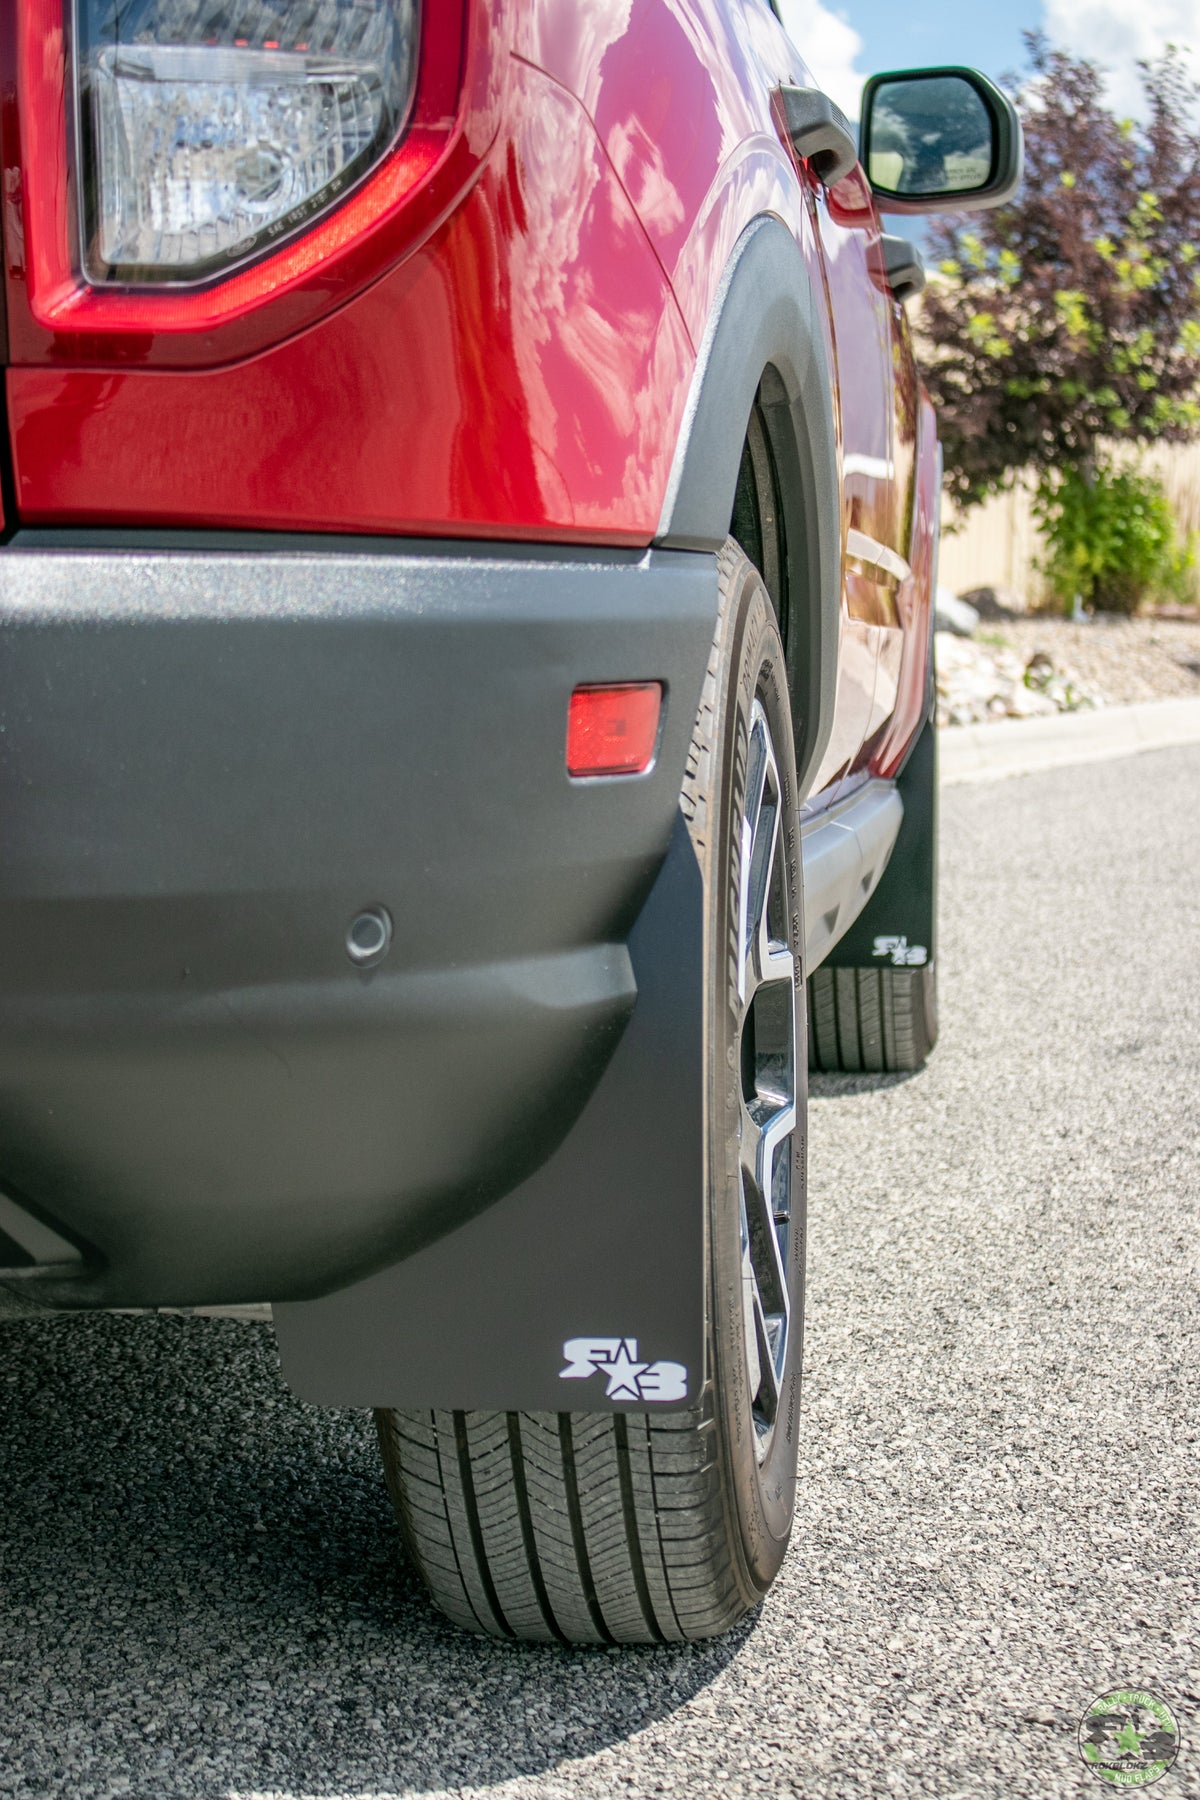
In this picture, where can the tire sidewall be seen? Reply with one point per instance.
(764, 1495)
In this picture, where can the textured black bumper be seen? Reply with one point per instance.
(210, 761)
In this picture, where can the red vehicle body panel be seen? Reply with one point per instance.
(520, 376)
(507, 351)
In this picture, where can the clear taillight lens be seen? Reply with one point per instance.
(211, 130)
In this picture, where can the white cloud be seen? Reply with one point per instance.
(1116, 33)
(829, 46)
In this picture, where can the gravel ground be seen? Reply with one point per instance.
(1107, 661)
(1123, 660)
(200, 1591)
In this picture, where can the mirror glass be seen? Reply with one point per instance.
(929, 135)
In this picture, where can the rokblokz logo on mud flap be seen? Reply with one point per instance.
(1129, 1737)
(902, 953)
(628, 1377)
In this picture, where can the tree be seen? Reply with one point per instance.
(1070, 318)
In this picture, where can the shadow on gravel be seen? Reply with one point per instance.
(202, 1592)
(832, 1087)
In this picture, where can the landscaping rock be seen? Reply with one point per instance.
(953, 614)
(996, 603)
(978, 681)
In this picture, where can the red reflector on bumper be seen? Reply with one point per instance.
(613, 730)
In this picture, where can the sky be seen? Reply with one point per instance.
(844, 40)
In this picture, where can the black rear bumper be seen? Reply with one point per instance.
(210, 761)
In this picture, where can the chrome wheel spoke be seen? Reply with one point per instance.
(751, 1310)
(768, 1390)
(766, 1196)
(767, 1053)
(759, 848)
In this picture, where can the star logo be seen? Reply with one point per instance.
(1128, 1737)
(623, 1372)
(628, 1378)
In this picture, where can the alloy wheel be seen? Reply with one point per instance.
(766, 1038)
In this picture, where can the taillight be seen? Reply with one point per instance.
(210, 130)
(199, 179)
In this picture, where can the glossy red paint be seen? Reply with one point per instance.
(522, 375)
(911, 653)
(507, 350)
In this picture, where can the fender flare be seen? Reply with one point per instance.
(765, 331)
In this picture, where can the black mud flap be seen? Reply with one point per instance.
(898, 925)
(583, 1289)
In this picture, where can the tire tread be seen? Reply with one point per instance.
(871, 1020)
(579, 1528)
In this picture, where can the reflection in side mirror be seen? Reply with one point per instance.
(939, 140)
(930, 137)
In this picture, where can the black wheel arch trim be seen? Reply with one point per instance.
(764, 332)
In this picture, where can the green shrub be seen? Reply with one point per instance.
(1113, 541)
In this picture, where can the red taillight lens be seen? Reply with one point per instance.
(613, 730)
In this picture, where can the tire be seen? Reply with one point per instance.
(871, 1019)
(647, 1527)
(872, 1008)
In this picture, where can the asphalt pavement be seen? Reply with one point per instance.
(201, 1591)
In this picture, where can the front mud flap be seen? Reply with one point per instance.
(583, 1289)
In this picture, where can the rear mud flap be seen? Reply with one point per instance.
(898, 925)
(583, 1289)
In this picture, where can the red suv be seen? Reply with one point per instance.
(470, 520)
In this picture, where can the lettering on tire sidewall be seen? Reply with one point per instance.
(757, 673)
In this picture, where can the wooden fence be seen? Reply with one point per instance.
(997, 544)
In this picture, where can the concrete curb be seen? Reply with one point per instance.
(1027, 746)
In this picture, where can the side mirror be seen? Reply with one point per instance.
(939, 140)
